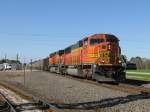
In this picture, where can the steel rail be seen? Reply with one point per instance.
(124, 87)
(7, 103)
(46, 104)
(38, 103)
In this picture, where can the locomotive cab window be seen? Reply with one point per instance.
(96, 41)
(85, 42)
(112, 39)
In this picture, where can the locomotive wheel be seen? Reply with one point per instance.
(49, 69)
(87, 74)
(84, 74)
(121, 77)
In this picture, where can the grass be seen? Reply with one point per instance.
(142, 70)
(143, 77)
(138, 78)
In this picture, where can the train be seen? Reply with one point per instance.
(41, 64)
(96, 57)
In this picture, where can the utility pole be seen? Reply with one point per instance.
(31, 65)
(5, 57)
(24, 72)
(17, 57)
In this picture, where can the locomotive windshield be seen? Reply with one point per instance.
(111, 38)
(96, 41)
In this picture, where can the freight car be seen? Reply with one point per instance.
(95, 57)
(46, 64)
(41, 64)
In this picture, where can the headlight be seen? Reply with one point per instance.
(109, 46)
(120, 61)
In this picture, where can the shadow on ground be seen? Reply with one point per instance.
(136, 82)
(110, 102)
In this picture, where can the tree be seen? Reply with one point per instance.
(124, 58)
(138, 61)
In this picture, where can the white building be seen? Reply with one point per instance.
(7, 66)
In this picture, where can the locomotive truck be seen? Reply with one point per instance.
(95, 57)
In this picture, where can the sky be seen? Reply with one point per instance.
(35, 28)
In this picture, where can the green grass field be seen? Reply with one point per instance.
(143, 77)
(146, 70)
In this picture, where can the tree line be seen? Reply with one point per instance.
(141, 63)
(9, 61)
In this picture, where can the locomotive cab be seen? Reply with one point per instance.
(107, 55)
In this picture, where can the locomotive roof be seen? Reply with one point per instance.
(60, 52)
(113, 36)
(80, 44)
(68, 49)
(52, 54)
(101, 34)
(77, 45)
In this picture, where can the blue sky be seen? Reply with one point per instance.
(35, 28)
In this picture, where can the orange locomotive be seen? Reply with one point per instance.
(95, 57)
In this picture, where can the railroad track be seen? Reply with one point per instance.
(128, 88)
(32, 104)
(6, 105)
(124, 87)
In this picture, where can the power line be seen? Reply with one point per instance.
(58, 35)
(35, 34)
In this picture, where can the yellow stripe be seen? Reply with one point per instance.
(93, 55)
(88, 63)
(109, 64)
